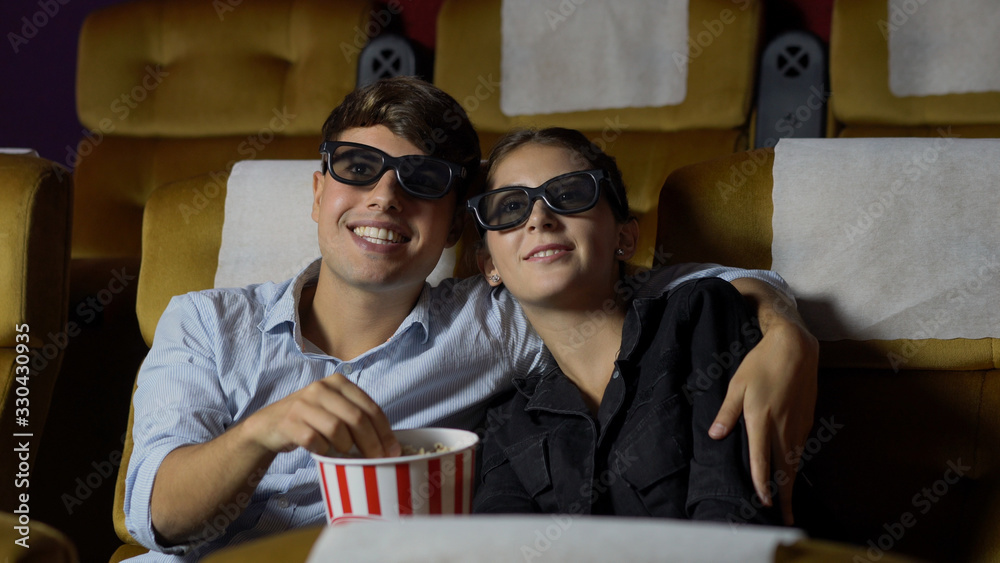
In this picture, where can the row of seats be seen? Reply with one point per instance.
(163, 87)
(892, 448)
(894, 444)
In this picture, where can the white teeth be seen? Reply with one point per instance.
(377, 235)
(544, 253)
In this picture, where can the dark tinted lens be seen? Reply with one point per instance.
(503, 207)
(353, 164)
(424, 176)
(572, 192)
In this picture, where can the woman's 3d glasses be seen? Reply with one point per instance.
(420, 176)
(566, 194)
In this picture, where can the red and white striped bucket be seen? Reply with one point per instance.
(387, 488)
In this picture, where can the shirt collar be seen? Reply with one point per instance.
(419, 315)
(285, 308)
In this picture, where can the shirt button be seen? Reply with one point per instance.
(282, 502)
(615, 375)
(347, 369)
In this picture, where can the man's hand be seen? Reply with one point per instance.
(194, 482)
(330, 414)
(775, 389)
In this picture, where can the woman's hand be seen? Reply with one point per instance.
(775, 389)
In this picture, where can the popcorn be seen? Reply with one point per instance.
(413, 450)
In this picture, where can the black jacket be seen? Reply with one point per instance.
(647, 453)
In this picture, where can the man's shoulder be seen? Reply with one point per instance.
(453, 295)
(229, 302)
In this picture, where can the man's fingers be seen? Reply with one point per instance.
(314, 431)
(759, 439)
(356, 424)
(367, 423)
(729, 413)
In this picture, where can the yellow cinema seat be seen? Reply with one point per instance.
(648, 143)
(34, 260)
(41, 544)
(180, 254)
(862, 104)
(173, 89)
(903, 458)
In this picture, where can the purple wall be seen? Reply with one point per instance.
(38, 73)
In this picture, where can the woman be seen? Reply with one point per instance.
(621, 425)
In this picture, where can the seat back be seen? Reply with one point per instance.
(863, 103)
(887, 432)
(173, 89)
(34, 260)
(180, 254)
(647, 142)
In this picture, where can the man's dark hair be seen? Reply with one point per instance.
(417, 111)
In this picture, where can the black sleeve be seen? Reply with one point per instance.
(721, 331)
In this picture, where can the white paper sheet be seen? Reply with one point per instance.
(890, 238)
(560, 56)
(268, 233)
(943, 46)
(580, 539)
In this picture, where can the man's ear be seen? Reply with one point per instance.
(319, 182)
(628, 238)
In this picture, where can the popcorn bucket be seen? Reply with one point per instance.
(435, 482)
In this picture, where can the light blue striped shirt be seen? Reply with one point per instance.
(222, 354)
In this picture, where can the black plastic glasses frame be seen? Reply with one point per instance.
(402, 165)
(535, 194)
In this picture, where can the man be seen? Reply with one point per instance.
(241, 384)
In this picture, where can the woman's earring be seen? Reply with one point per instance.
(619, 252)
(494, 278)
